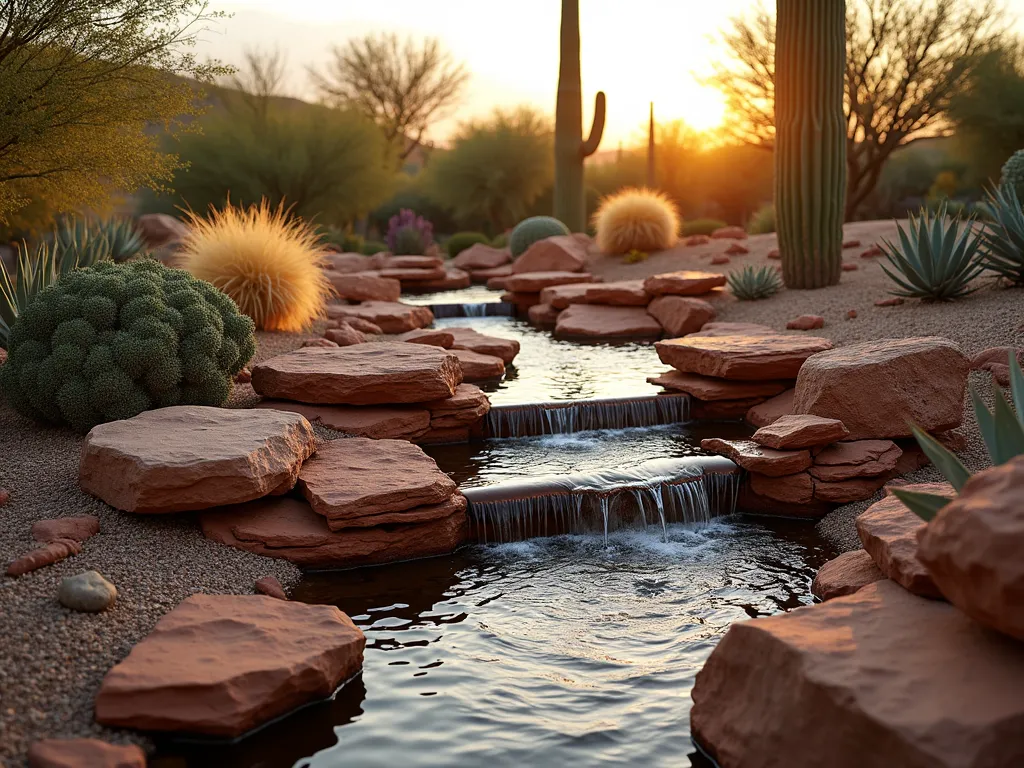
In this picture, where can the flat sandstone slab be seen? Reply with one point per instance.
(380, 422)
(800, 431)
(383, 373)
(223, 664)
(596, 321)
(708, 388)
(534, 282)
(194, 457)
(684, 283)
(389, 316)
(742, 358)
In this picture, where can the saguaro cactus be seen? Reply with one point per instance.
(570, 148)
(810, 146)
(650, 150)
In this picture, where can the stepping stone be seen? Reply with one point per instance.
(74, 528)
(389, 316)
(479, 257)
(771, 410)
(709, 388)
(221, 665)
(754, 458)
(453, 280)
(543, 315)
(84, 753)
(535, 282)
(411, 275)
(800, 431)
(194, 457)
(412, 262)
(522, 301)
(289, 529)
(877, 678)
(381, 373)
(562, 253)
(561, 296)
(478, 367)
(743, 358)
(625, 293)
(600, 322)
(860, 458)
(362, 287)
(347, 263)
(434, 337)
(685, 283)
(486, 275)
(474, 341)
(889, 531)
(680, 315)
(354, 481)
(845, 575)
(375, 421)
(878, 388)
(466, 407)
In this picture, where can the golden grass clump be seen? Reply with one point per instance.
(264, 259)
(636, 220)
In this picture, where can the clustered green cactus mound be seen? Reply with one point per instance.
(1013, 173)
(529, 231)
(114, 340)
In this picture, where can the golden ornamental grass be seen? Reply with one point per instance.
(264, 259)
(636, 220)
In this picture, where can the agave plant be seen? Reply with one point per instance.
(751, 283)
(95, 241)
(937, 257)
(33, 274)
(1003, 238)
(1001, 429)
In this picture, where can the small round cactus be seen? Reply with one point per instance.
(114, 340)
(1013, 173)
(529, 231)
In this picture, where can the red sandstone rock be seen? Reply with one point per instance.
(553, 254)
(543, 315)
(453, 280)
(474, 341)
(84, 753)
(478, 367)
(711, 410)
(859, 458)
(846, 491)
(771, 410)
(735, 329)
(851, 244)
(260, 658)
(996, 361)
(412, 262)
(872, 252)
(888, 531)
(376, 421)
(5, 496)
(806, 323)
(479, 256)
(348, 263)
(972, 548)
(774, 254)
(485, 275)
(433, 337)
(800, 431)
(736, 250)
(845, 575)
(344, 335)
(497, 282)
(321, 343)
(878, 388)
(684, 283)
(744, 358)
(352, 482)
(364, 287)
(535, 282)
(561, 296)
(271, 587)
(363, 326)
(680, 315)
(875, 679)
(389, 316)
(411, 276)
(893, 302)
(762, 505)
(693, 240)
(289, 529)
(708, 388)
(755, 458)
(602, 322)
(382, 373)
(851, 314)
(51, 553)
(192, 457)
(159, 229)
(467, 406)
(74, 528)
(445, 436)
(849, 266)
(729, 233)
(791, 489)
(244, 376)
(625, 293)
(522, 301)
(720, 259)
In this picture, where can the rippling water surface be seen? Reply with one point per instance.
(548, 652)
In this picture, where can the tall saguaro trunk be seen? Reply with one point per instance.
(810, 148)
(650, 150)
(570, 148)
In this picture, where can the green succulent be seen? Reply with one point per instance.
(373, 247)
(635, 256)
(752, 283)
(1003, 238)
(1002, 430)
(113, 340)
(529, 231)
(1013, 173)
(501, 241)
(763, 220)
(95, 241)
(460, 241)
(937, 257)
(409, 241)
(32, 275)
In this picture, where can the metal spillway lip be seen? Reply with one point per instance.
(568, 416)
(648, 474)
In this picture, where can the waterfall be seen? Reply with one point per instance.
(687, 490)
(478, 309)
(584, 415)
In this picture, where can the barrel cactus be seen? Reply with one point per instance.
(1013, 173)
(114, 340)
(529, 231)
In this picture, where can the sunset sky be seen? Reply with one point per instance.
(635, 50)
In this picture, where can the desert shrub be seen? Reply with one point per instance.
(1013, 173)
(752, 283)
(701, 226)
(1003, 235)
(409, 234)
(411, 195)
(763, 220)
(636, 220)
(936, 258)
(501, 241)
(267, 261)
(635, 256)
(529, 231)
(33, 273)
(460, 241)
(371, 247)
(113, 340)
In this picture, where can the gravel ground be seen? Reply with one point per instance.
(990, 317)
